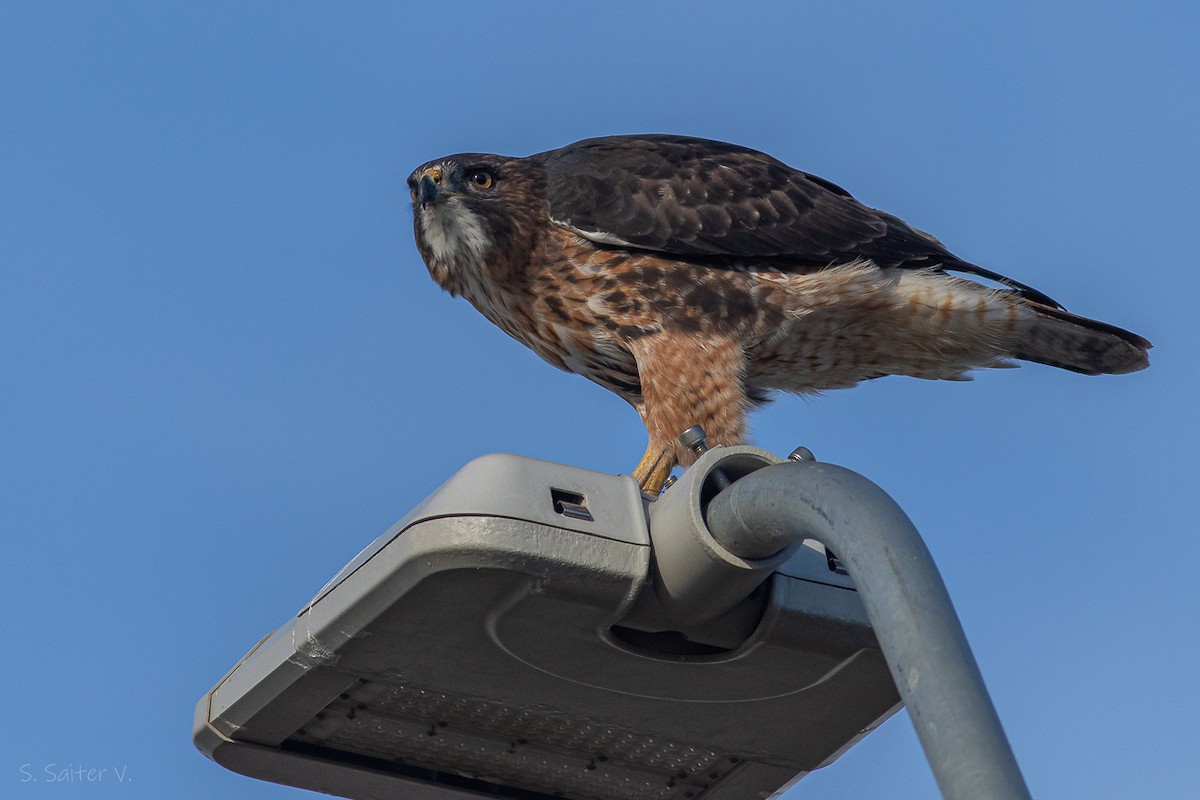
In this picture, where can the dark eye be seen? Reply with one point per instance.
(480, 179)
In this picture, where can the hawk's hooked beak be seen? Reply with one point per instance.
(429, 187)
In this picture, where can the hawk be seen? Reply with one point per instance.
(694, 277)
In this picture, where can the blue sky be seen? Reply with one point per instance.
(225, 369)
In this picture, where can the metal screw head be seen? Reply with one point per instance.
(694, 439)
(801, 453)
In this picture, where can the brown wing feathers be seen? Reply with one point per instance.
(696, 197)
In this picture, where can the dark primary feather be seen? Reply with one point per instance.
(702, 198)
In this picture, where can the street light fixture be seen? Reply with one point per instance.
(535, 631)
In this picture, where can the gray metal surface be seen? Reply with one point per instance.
(484, 645)
(696, 579)
(905, 599)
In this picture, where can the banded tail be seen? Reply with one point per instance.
(1088, 346)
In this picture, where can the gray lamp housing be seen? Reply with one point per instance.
(510, 638)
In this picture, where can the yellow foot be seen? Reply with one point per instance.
(652, 471)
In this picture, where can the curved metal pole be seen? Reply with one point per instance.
(905, 599)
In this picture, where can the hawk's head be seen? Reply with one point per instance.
(474, 216)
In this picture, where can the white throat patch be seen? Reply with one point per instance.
(454, 233)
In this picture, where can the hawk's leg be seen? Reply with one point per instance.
(652, 471)
(687, 379)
